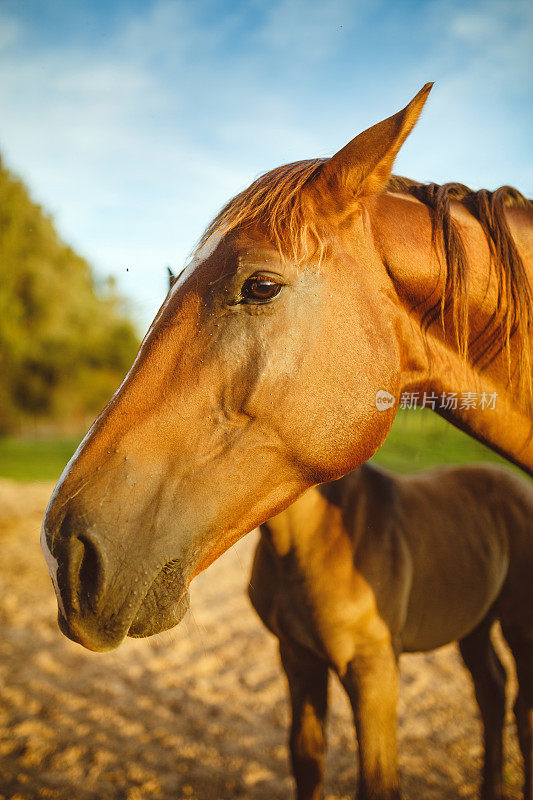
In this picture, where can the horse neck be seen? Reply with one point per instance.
(430, 359)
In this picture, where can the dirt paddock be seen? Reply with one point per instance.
(197, 713)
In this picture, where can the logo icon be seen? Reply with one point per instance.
(384, 400)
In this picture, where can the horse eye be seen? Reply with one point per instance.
(260, 289)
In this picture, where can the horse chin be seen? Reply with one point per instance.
(157, 614)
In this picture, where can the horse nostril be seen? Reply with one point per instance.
(90, 573)
(78, 567)
(82, 571)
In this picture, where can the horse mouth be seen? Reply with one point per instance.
(163, 606)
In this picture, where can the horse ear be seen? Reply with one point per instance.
(364, 165)
(171, 278)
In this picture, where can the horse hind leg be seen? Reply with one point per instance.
(521, 645)
(489, 679)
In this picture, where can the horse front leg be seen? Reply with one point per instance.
(308, 686)
(372, 682)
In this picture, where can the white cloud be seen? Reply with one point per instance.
(319, 27)
(9, 32)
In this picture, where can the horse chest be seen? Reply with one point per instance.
(335, 622)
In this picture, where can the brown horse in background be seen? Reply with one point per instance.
(316, 292)
(357, 571)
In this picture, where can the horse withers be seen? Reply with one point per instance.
(364, 568)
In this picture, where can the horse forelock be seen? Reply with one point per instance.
(276, 203)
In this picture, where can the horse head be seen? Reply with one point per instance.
(256, 380)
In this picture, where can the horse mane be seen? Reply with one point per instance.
(276, 201)
(513, 313)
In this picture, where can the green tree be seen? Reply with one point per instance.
(65, 339)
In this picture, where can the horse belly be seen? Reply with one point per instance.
(453, 589)
(441, 623)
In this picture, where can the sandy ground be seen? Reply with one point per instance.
(199, 712)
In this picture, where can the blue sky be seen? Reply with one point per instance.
(133, 122)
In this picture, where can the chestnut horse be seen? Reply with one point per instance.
(313, 292)
(359, 570)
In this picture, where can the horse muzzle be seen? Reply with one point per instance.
(99, 603)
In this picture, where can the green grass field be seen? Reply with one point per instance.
(418, 440)
(24, 459)
(421, 439)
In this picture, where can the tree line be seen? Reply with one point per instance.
(66, 339)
